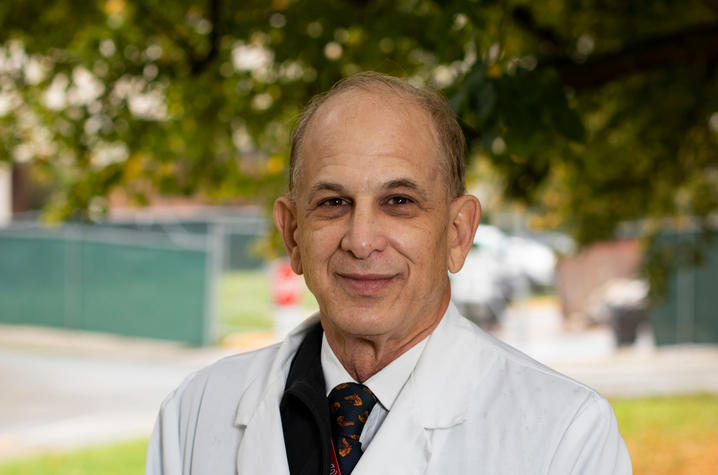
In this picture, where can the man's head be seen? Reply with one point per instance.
(373, 223)
(443, 120)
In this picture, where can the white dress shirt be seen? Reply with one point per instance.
(386, 384)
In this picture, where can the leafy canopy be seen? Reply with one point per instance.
(591, 112)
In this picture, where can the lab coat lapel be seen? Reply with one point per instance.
(401, 445)
(436, 396)
(448, 372)
(261, 449)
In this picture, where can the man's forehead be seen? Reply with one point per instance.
(370, 137)
(400, 102)
(382, 119)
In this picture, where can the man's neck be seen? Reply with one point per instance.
(363, 356)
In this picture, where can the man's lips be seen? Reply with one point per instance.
(366, 284)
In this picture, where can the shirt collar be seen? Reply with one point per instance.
(386, 384)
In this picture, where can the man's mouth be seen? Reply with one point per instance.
(366, 284)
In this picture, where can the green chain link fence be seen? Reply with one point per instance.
(129, 282)
(688, 313)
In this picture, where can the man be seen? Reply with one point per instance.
(388, 378)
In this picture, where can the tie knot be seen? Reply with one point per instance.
(350, 405)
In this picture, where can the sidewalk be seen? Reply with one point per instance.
(64, 389)
(591, 356)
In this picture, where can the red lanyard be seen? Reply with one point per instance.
(334, 464)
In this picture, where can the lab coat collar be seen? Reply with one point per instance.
(258, 412)
(436, 396)
(275, 377)
(446, 374)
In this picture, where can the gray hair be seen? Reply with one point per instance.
(449, 132)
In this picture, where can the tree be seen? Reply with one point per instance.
(592, 112)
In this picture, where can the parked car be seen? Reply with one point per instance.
(500, 268)
(534, 260)
(478, 289)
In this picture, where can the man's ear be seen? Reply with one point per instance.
(285, 219)
(464, 214)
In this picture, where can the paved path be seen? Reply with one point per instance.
(65, 389)
(591, 356)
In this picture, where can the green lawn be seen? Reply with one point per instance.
(676, 435)
(119, 459)
(245, 302)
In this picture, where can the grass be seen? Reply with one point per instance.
(118, 459)
(666, 435)
(245, 301)
(676, 435)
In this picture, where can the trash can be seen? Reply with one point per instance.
(625, 320)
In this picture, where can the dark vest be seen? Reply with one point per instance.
(305, 411)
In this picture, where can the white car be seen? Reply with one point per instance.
(498, 269)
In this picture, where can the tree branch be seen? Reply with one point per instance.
(168, 28)
(199, 64)
(698, 45)
(524, 18)
(196, 62)
(712, 4)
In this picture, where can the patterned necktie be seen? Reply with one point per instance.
(349, 405)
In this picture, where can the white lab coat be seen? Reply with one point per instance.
(471, 405)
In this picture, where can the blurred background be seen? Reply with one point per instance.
(142, 143)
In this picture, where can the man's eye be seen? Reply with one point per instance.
(399, 200)
(333, 202)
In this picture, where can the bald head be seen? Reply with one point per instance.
(441, 124)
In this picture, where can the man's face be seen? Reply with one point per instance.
(371, 216)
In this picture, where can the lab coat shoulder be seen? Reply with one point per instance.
(202, 425)
(585, 438)
(199, 416)
(592, 443)
(520, 416)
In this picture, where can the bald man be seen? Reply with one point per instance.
(388, 377)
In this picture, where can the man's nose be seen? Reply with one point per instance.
(365, 232)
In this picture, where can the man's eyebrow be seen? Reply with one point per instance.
(405, 183)
(388, 186)
(325, 186)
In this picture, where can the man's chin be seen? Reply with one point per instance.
(361, 323)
